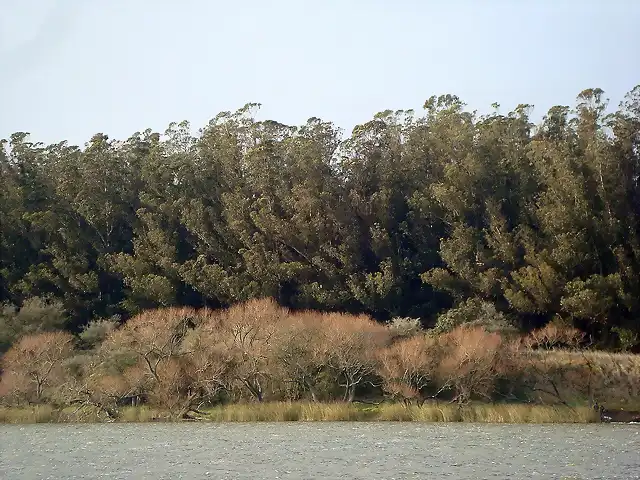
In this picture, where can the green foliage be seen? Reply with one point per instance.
(626, 338)
(34, 316)
(404, 326)
(410, 214)
(94, 333)
(474, 313)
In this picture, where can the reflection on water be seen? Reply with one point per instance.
(319, 450)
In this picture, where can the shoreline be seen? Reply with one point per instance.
(498, 413)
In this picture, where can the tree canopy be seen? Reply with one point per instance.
(413, 215)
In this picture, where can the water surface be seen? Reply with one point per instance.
(319, 450)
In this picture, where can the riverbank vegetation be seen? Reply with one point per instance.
(319, 412)
(235, 363)
(446, 216)
(448, 256)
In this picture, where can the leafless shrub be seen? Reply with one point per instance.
(297, 359)
(554, 336)
(248, 331)
(349, 344)
(408, 366)
(402, 327)
(471, 363)
(153, 336)
(180, 359)
(33, 367)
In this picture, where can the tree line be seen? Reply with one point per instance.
(446, 216)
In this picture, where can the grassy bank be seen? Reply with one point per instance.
(49, 414)
(485, 413)
(318, 412)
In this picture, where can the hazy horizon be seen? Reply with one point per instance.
(73, 68)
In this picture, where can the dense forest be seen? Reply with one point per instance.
(447, 217)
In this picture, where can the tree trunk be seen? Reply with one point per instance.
(254, 388)
(314, 398)
(350, 393)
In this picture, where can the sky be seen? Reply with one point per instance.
(73, 68)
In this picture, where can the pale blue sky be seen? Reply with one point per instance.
(71, 68)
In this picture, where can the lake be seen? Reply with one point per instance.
(319, 450)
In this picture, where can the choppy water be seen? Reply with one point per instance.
(319, 450)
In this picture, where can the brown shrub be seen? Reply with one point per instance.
(553, 335)
(208, 362)
(407, 367)
(99, 380)
(473, 359)
(297, 360)
(33, 367)
(173, 389)
(143, 359)
(348, 346)
(153, 336)
(179, 359)
(248, 332)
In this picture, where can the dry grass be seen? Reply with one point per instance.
(488, 413)
(395, 412)
(529, 414)
(142, 414)
(35, 414)
(324, 412)
(289, 411)
(48, 414)
(611, 379)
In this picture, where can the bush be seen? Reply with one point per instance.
(403, 327)
(34, 367)
(409, 366)
(473, 360)
(554, 335)
(179, 360)
(474, 313)
(96, 331)
(35, 315)
(627, 339)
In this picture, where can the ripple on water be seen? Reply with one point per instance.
(319, 450)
